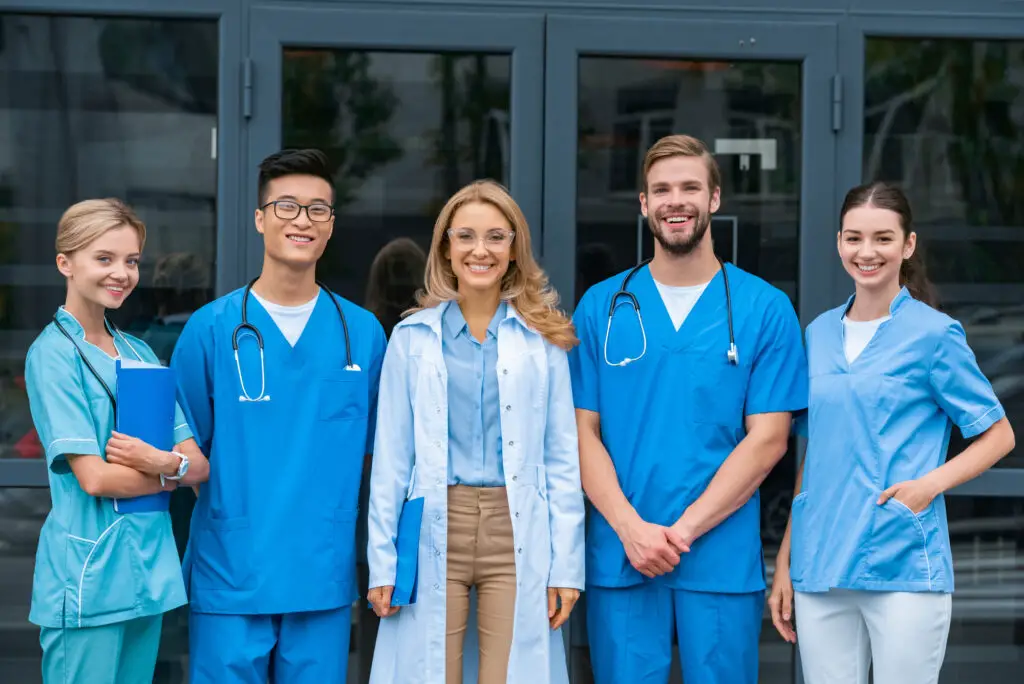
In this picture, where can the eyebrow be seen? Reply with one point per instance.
(107, 252)
(293, 198)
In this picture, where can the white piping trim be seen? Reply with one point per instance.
(85, 566)
(924, 541)
(81, 539)
(137, 354)
(178, 427)
(86, 440)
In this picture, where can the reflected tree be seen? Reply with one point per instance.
(474, 113)
(334, 103)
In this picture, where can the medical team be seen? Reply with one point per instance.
(666, 400)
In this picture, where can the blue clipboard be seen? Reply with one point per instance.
(407, 543)
(145, 409)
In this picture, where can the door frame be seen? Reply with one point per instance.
(811, 43)
(521, 35)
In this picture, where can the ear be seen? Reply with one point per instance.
(258, 218)
(643, 204)
(839, 242)
(64, 265)
(910, 246)
(716, 200)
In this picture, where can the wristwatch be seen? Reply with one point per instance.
(182, 468)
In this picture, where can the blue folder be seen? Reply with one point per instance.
(145, 409)
(408, 546)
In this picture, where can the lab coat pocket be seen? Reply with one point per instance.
(102, 574)
(220, 560)
(343, 395)
(799, 544)
(903, 545)
(531, 522)
(717, 390)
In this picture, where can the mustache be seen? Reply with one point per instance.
(679, 209)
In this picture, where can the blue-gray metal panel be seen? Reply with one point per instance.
(274, 28)
(813, 44)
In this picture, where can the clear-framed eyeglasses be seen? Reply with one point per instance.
(467, 238)
(288, 210)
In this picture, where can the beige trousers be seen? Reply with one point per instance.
(480, 553)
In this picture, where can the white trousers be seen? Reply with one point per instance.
(842, 633)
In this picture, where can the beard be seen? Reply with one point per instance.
(682, 245)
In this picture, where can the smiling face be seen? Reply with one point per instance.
(105, 271)
(300, 237)
(479, 247)
(873, 247)
(679, 203)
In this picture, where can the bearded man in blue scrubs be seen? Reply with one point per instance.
(285, 408)
(682, 413)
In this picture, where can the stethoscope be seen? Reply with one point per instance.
(246, 326)
(732, 354)
(88, 364)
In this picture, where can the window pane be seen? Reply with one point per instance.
(97, 107)
(945, 118)
(986, 640)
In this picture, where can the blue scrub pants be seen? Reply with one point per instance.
(121, 653)
(630, 632)
(293, 648)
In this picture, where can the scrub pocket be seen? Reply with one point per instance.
(343, 395)
(904, 545)
(799, 544)
(102, 575)
(220, 557)
(717, 389)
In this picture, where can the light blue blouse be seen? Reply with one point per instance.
(474, 425)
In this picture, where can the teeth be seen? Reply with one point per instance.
(678, 219)
(868, 269)
(300, 238)
(115, 289)
(478, 268)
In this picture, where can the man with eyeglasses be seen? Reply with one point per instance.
(278, 381)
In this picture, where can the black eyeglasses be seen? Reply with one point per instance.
(288, 210)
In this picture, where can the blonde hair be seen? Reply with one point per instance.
(524, 286)
(682, 146)
(89, 219)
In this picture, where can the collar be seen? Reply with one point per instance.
(71, 324)
(457, 325)
(434, 317)
(898, 302)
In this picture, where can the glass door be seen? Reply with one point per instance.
(761, 97)
(409, 107)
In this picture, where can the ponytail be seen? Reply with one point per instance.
(913, 275)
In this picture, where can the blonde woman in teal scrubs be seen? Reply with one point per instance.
(102, 579)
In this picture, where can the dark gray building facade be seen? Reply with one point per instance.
(170, 104)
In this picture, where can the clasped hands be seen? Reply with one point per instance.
(133, 453)
(561, 601)
(655, 550)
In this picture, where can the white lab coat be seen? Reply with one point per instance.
(541, 464)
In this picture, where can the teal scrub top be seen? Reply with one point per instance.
(671, 418)
(94, 566)
(883, 419)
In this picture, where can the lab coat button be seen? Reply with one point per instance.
(520, 550)
(437, 587)
(504, 371)
(515, 477)
(517, 514)
(511, 443)
(508, 407)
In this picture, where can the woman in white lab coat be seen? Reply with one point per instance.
(475, 415)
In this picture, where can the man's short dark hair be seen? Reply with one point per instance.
(292, 162)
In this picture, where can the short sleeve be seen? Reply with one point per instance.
(59, 407)
(778, 377)
(959, 387)
(583, 370)
(376, 361)
(190, 362)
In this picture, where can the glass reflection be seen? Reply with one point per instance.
(945, 119)
(97, 107)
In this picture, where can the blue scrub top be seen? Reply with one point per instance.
(274, 529)
(670, 419)
(474, 431)
(885, 418)
(94, 566)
